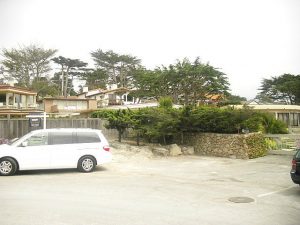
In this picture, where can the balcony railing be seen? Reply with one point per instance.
(18, 106)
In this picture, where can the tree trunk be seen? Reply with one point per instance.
(69, 92)
(62, 81)
(114, 75)
(186, 99)
(66, 82)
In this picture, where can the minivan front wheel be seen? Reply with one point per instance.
(86, 164)
(8, 166)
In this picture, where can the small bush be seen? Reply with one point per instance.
(166, 102)
(271, 144)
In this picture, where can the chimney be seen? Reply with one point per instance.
(85, 89)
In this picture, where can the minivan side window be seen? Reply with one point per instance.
(59, 138)
(38, 139)
(87, 137)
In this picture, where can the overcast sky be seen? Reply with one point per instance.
(247, 39)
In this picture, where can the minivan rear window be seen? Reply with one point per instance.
(87, 137)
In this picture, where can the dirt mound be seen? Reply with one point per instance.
(124, 151)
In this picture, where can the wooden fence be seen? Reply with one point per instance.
(14, 128)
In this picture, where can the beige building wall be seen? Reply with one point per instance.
(47, 105)
(92, 104)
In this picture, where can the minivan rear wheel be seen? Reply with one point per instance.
(8, 167)
(86, 164)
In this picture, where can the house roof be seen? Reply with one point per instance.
(70, 98)
(101, 91)
(18, 90)
(121, 89)
(214, 96)
(93, 92)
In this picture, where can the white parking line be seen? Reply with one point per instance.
(274, 192)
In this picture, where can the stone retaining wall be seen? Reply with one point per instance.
(241, 146)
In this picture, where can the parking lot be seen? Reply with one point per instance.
(140, 189)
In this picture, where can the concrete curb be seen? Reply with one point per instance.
(281, 152)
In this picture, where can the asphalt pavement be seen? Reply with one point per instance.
(137, 189)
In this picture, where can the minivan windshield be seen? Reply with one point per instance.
(298, 154)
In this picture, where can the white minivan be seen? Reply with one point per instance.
(55, 149)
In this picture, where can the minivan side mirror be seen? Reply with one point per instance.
(24, 144)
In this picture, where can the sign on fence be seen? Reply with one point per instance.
(35, 122)
(35, 119)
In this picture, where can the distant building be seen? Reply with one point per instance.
(109, 97)
(69, 105)
(290, 114)
(17, 101)
(214, 98)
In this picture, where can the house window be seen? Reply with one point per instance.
(294, 117)
(284, 117)
(112, 99)
(17, 98)
(3, 99)
(10, 98)
(30, 99)
(129, 98)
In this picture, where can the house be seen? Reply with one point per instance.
(17, 101)
(69, 105)
(214, 98)
(290, 114)
(109, 97)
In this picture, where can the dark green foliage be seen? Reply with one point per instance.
(118, 67)
(160, 124)
(95, 79)
(273, 126)
(186, 82)
(27, 63)
(70, 68)
(117, 119)
(283, 89)
(163, 124)
(165, 102)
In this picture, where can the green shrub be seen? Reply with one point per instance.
(273, 126)
(271, 144)
(162, 124)
(166, 102)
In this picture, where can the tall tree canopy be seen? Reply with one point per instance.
(27, 63)
(117, 66)
(283, 89)
(95, 78)
(187, 82)
(69, 69)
